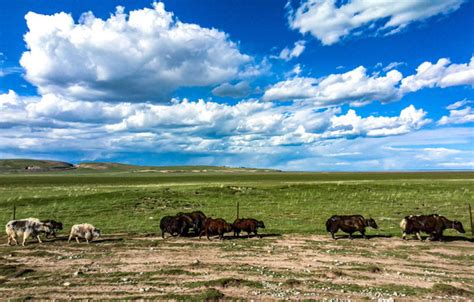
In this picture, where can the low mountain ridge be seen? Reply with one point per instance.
(33, 165)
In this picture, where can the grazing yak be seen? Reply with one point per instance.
(85, 230)
(54, 227)
(26, 228)
(433, 225)
(248, 225)
(349, 224)
(176, 225)
(198, 219)
(216, 226)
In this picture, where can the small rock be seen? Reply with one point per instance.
(196, 262)
(66, 283)
(78, 273)
(124, 279)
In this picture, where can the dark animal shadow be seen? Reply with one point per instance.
(241, 237)
(102, 240)
(65, 238)
(455, 238)
(361, 237)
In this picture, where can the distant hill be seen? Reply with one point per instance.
(98, 166)
(32, 165)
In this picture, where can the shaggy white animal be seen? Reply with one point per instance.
(85, 230)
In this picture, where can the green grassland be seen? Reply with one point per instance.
(125, 201)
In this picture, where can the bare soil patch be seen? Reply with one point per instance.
(275, 267)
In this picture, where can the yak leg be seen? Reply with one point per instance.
(39, 240)
(419, 236)
(333, 236)
(25, 236)
(10, 237)
(77, 240)
(363, 234)
(181, 231)
(404, 236)
(350, 236)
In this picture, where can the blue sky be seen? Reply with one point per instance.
(318, 85)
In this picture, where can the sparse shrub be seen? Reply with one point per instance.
(291, 282)
(211, 294)
(374, 269)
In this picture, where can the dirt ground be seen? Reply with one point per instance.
(274, 267)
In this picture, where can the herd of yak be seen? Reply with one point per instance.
(198, 224)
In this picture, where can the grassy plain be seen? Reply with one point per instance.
(297, 260)
(287, 202)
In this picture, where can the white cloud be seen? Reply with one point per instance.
(239, 90)
(292, 89)
(143, 55)
(288, 54)
(393, 65)
(436, 153)
(460, 116)
(411, 151)
(249, 133)
(330, 23)
(353, 86)
(351, 124)
(359, 88)
(457, 115)
(458, 104)
(247, 120)
(9, 70)
(442, 74)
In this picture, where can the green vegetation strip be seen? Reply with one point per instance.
(286, 202)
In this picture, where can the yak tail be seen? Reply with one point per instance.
(403, 224)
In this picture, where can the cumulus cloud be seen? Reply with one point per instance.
(458, 116)
(353, 86)
(288, 54)
(250, 133)
(442, 74)
(143, 55)
(351, 124)
(359, 88)
(330, 23)
(239, 90)
(246, 120)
